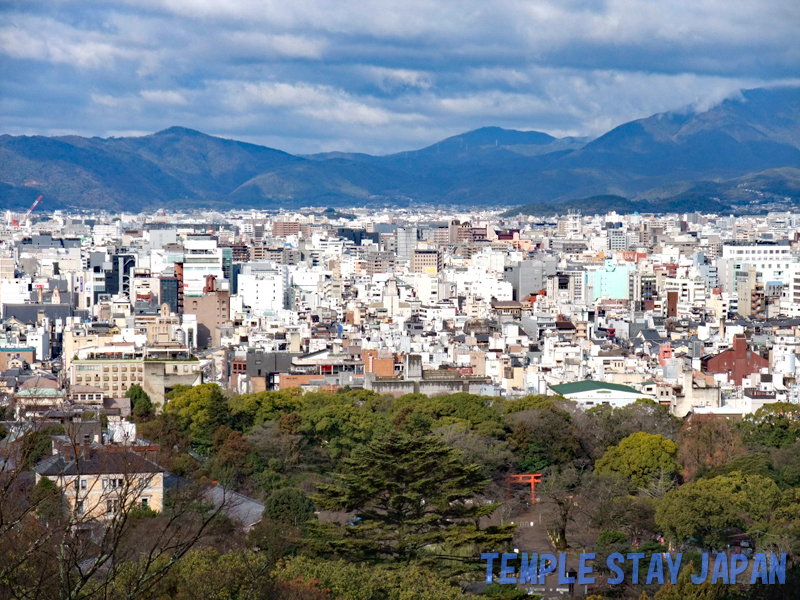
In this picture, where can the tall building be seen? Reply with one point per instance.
(263, 287)
(426, 261)
(406, 242)
(285, 228)
(212, 310)
(202, 258)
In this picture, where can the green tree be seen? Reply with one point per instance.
(476, 412)
(774, 425)
(340, 423)
(747, 464)
(240, 575)
(232, 458)
(684, 589)
(347, 581)
(48, 500)
(412, 499)
(201, 410)
(544, 436)
(250, 410)
(642, 458)
(602, 426)
(289, 506)
(141, 405)
(707, 508)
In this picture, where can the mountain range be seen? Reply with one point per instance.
(743, 151)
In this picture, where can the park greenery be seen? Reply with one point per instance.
(369, 496)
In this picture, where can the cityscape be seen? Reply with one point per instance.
(242, 357)
(346, 300)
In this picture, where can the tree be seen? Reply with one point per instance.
(141, 405)
(339, 423)
(642, 458)
(232, 458)
(201, 410)
(746, 464)
(602, 426)
(774, 425)
(50, 504)
(347, 581)
(412, 499)
(560, 499)
(246, 575)
(707, 508)
(684, 589)
(80, 548)
(492, 454)
(289, 506)
(707, 441)
(610, 506)
(475, 412)
(251, 410)
(544, 436)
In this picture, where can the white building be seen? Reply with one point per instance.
(263, 287)
(588, 394)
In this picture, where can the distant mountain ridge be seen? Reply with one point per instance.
(753, 139)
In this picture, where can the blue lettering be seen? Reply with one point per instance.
(547, 565)
(777, 568)
(738, 565)
(489, 558)
(527, 570)
(674, 567)
(635, 557)
(584, 570)
(656, 570)
(563, 579)
(506, 570)
(611, 564)
(720, 568)
(759, 568)
(698, 579)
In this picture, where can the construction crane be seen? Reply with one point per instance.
(30, 210)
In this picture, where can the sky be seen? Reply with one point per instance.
(379, 76)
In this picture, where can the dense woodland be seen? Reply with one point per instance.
(367, 497)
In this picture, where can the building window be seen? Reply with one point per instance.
(145, 502)
(79, 507)
(112, 505)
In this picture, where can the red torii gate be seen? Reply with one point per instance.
(533, 478)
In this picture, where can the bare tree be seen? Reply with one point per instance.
(99, 523)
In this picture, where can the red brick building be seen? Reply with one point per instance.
(738, 362)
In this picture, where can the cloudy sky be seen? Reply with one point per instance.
(381, 75)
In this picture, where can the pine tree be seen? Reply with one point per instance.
(413, 499)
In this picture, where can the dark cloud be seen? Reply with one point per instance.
(310, 75)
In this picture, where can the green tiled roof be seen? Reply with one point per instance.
(40, 393)
(588, 386)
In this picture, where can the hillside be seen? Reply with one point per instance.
(746, 149)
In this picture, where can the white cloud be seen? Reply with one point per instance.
(322, 103)
(391, 79)
(59, 48)
(290, 46)
(381, 76)
(164, 97)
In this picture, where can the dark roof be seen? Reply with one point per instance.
(99, 462)
(29, 313)
(588, 385)
(650, 335)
